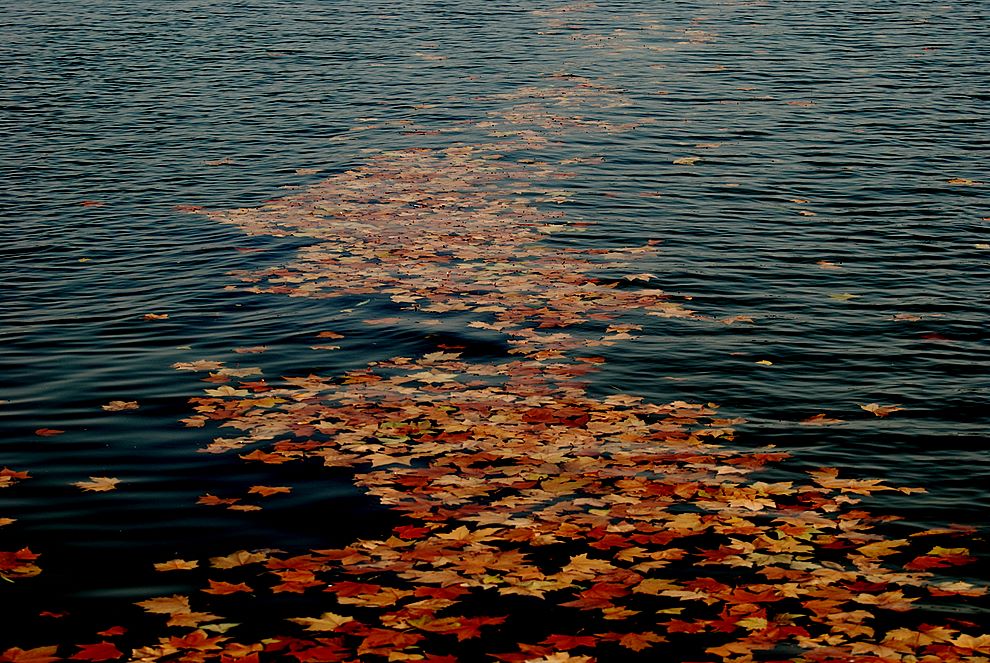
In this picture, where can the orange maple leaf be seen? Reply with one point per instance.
(220, 587)
(266, 491)
(36, 655)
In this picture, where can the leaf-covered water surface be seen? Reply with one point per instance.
(536, 512)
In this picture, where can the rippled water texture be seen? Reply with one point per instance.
(778, 208)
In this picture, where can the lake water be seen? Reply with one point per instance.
(191, 181)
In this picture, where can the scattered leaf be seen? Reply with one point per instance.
(881, 410)
(98, 484)
(118, 406)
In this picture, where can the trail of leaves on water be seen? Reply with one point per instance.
(623, 526)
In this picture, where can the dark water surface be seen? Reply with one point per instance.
(854, 133)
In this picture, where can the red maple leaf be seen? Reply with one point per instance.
(101, 651)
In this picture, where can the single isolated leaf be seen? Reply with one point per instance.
(48, 432)
(821, 419)
(118, 406)
(252, 350)
(880, 410)
(266, 491)
(176, 565)
(155, 316)
(98, 484)
(112, 631)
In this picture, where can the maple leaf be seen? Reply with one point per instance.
(821, 419)
(219, 587)
(570, 641)
(196, 640)
(190, 619)
(200, 365)
(581, 565)
(979, 643)
(112, 631)
(101, 651)
(881, 548)
(98, 484)
(266, 491)
(640, 641)
(176, 565)
(118, 406)
(254, 349)
(379, 640)
(226, 390)
(213, 500)
(155, 316)
(881, 410)
(328, 621)
(36, 655)
(167, 605)
(48, 432)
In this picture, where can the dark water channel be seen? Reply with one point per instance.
(875, 117)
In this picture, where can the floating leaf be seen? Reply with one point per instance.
(881, 410)
(118, 406)
(821, 419)
(176, 565)
(98, 484)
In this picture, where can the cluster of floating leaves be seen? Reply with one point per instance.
(626, 526)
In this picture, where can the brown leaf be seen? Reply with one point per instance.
(98, 484)
(118, 406)
(821, 419)
(880, 410)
